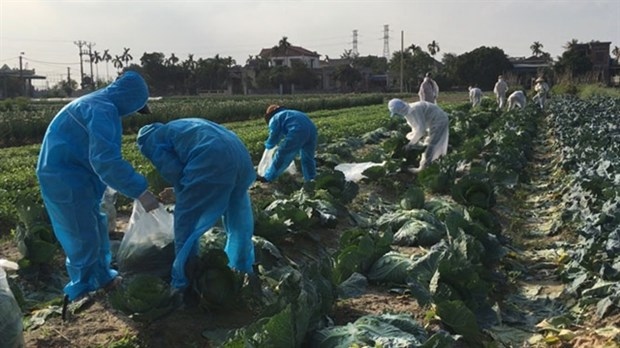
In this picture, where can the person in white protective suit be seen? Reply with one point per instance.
(475, 96)
(211, 171)
(500, 89)
(424, 118)
(80, 156)
(429, 90)
(517, 98)
(542, 92)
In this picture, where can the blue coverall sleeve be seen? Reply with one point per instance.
(275, 133)
(105, 135)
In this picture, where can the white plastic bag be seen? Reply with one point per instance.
(108, 207)
(266, 160)
(148, 244)
(11, 327)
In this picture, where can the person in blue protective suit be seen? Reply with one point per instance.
(300, 136)
(80, 156)
(211, 172)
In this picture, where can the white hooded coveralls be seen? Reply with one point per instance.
(475, 96)
(517, 98)
(500, 89)
(424, 117)
(429, 90)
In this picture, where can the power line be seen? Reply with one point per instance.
(51, 63)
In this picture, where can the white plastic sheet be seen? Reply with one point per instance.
(353, 171)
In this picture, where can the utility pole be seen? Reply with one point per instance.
(83, 52)
(402, 58)
(21, 76)
(79, 44)
(69, 76)
(355, 53)
(90, 59)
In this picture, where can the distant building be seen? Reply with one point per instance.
(286, 57)
(598, 52)
(370, 82)
(24, 79)
(525, 70)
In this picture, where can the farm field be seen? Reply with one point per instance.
(511, 240)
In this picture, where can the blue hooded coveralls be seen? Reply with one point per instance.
(211, 171)
(300, 136)
(80, 156)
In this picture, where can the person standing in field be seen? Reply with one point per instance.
(211, 172)
(424, 117)
(80, 156)
(542, 92)
(475, 96)
(500, 89)
(515, 99)
(293, 132)
(429, 90)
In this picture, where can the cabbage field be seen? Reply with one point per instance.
(510, 240)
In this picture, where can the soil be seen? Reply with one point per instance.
(97, 324)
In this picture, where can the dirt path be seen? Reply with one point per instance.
(538, 237)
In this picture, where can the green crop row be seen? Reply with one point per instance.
(17, 164)
(28, 125)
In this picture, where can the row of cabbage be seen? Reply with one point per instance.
(28, 124)
(447, 213)
(588, 136)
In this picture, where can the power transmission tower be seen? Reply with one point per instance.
(386, 41)
(355, 52)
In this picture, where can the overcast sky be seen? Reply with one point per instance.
(46, 30)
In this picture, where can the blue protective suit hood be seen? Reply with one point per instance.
(129, 93)
(146, 141)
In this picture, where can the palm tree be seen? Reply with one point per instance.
(189, 67)
(283, 46)
(126, 57)
(433, 48)
(96, 58)
(536, 48)
(571, 44)
(105, 56)
(118, 62)
(616, 53)
(172, 61)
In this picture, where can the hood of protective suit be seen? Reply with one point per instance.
(146, 141)
(129, 93)
(398, 107)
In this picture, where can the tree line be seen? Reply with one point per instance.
(171, 75)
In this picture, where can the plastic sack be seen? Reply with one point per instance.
(109, 208)
(148, 244)
(11, 327)
(266, 160)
